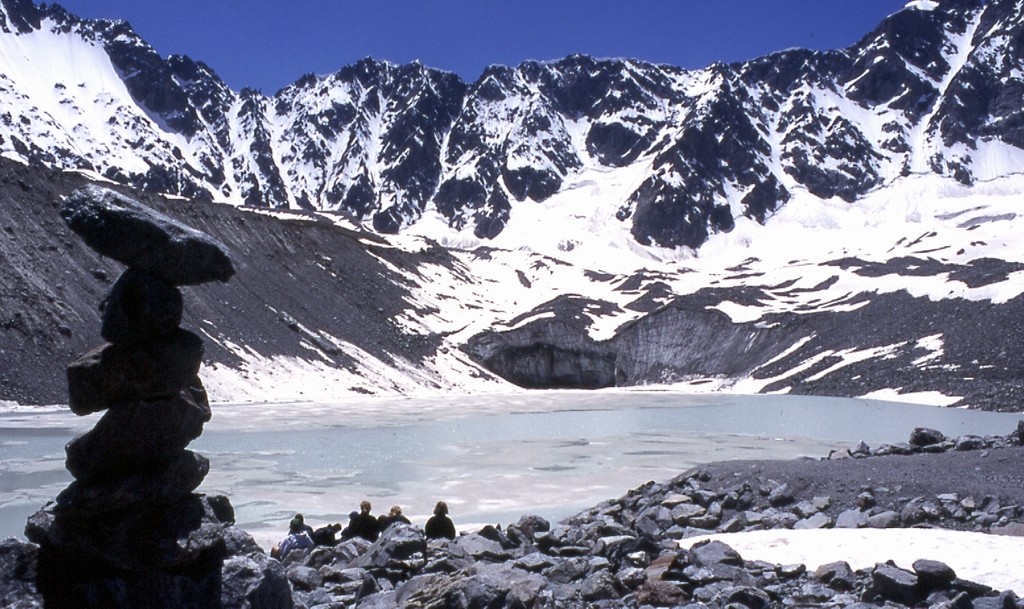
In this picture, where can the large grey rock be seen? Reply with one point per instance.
(138, 437)
(852, 518)
(142, 238)
(18, 561)
(599, 586)
(341, 554)
(780, 495)
(535, 562)
(254, 581)
(483, 585)
(816, 521)
(709, 553)
(532, 524)
(140, 307)
(567, 571)
(659, 593)
(481, 548)
(1004, 600)
(892, 584)
(933, 574)
(399, 543)
(684, 513)
(117, 373)
(924, 436)
(304, 578)
(745, 596)
(837, 575)
(884, 520)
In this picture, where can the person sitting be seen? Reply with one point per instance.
(299, 536)
(393, 516)
(362, 524)
(326, 536)
(294, 541)
(298, 525)
(440, 525)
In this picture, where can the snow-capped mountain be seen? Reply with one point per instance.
(835, 223)
(934, 89)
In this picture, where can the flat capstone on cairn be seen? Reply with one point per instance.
(130, 531)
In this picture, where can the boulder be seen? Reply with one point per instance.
(924, 436)
(884, 520)
(139, 437)
(535, 562)
(121, 228)
(482, 585)
(118, 373)
(780, 495)
(707, 553)
(254, 581)
(893, 584)
(851, 519)
(480, 548)
(567, 571)
(1004, 600)
(684, 513)
(837, 575)
(140, 307)
(745, 596)
(599, 586)
(658, 593)
(18, 563)
(306, 579)
(396, 545)
(969, 442)
(354, 581)
(816, 521)
(933, 575)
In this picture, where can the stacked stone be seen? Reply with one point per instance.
(130, 531)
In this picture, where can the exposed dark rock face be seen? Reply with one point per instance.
(688, 339)
(130, 531)
(549, 353)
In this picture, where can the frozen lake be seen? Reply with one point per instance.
(493, 458)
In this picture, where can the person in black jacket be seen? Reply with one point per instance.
(325, 536)
(440, 525)
(362, 524)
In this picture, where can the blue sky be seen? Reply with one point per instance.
(267, 44)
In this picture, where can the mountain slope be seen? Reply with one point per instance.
(841, 223)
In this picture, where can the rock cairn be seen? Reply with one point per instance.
(130, 531)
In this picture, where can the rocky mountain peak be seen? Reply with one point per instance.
(934, 89)
(19, 16)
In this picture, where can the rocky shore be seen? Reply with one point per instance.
(626, 552)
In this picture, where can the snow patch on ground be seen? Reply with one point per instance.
(932, 398)
(992, 560)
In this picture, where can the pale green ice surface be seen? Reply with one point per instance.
(492, 458)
